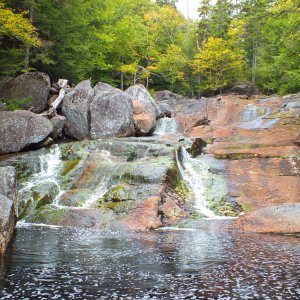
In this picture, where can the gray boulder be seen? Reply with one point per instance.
(29, 90)
(8, 205)
(166, 110)
(242, 88)
(2, 107)
(167, 95)
(101, 87)
(19, 129)
(7, 222)
(140, 93)
(76, 109)
(111, 113)
(8, 185)
(58, 123)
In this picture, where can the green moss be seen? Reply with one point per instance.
(173, 176)
(121, 207)
(223, 208)
(16, 104)
(69, 166)
(247, 207)
(115, 194)
(183, 190)
(48, 215)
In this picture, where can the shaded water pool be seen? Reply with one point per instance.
(68, 263)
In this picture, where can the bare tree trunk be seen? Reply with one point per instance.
(27, 51)
(122, 81)
(254, 61)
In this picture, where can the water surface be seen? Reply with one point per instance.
(66, 263)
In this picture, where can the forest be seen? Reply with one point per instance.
(123, 42)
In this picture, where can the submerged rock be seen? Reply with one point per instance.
(27, 91)
(20, 129)
(76, 109)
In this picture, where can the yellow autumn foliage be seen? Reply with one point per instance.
(17, 26)
(217, 64)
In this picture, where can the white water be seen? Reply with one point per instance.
(166, 126)
(196, 179)
(50, 164)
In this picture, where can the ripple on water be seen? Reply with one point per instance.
(65, 263)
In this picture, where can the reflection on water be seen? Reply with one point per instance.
(65, 263)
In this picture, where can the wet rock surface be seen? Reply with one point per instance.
(105, 183)
(275, 219)
(256, 139)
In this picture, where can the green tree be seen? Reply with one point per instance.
(172, 67)
(166, 2)
(217, 64)
(16, 35)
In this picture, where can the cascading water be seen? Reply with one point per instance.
(196, 175)
(49, 165)
(166, 126)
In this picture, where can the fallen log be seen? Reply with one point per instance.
(63, 85)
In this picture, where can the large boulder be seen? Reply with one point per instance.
(76, 108)
(20, 129)
(243, 88)
(162, 96)
(111, 113)
(27, 91)
(140, 93)
(8, 205)
(275, 219)
(144, 121)
(145, 110)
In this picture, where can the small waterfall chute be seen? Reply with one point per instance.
(196, 175)
(166, 126)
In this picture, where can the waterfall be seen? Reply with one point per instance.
(166, 126)
(196, 174)
(49, 165)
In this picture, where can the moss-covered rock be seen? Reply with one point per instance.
(36, 197)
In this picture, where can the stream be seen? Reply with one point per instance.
(186, 262)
